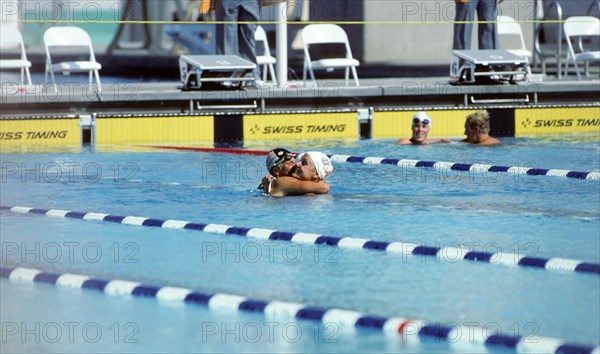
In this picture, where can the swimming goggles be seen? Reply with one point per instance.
(417, 120)
(282, 156)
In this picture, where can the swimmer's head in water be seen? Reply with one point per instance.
(421, 118)
(315, 160)
(278, 156)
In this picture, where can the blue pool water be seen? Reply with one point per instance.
(538, 216)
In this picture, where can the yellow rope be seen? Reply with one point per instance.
(276, 22)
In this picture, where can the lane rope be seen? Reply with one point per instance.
(210, 149)
(449, 254)
(407, 163)
(412, 330)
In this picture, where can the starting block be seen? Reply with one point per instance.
(495, 65)
(227, 71)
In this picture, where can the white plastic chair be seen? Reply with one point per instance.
(10, 40)
(507, 26)
(327, 34)
(581, 27)
(65, 37)
(266, 59)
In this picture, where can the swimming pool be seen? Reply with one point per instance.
(533, 216)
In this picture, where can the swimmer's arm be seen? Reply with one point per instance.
(265, 183)
(403, 141)
(266, 180)
(291, 186)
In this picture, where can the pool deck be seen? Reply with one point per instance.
(129, 110)
(329, 94)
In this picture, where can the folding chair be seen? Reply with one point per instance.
(266, 59)
(327, 34)
(507, 26)
(11, 40)
(581, 27)
(69, 37)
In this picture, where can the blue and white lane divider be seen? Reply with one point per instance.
(439, 165)
(412, 330)
(450, 254)
(475, 167)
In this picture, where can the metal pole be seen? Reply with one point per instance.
(535, 31)
(559, 41)
(281, 43)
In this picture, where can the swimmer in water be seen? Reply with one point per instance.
(296, 175)
(477, 129)
(420, 126)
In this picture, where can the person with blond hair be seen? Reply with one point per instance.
(477, 129)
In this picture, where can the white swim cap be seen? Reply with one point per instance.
(322, 163)
(421, 117)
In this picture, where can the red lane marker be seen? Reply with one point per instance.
(203, 149)
(402, 326)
